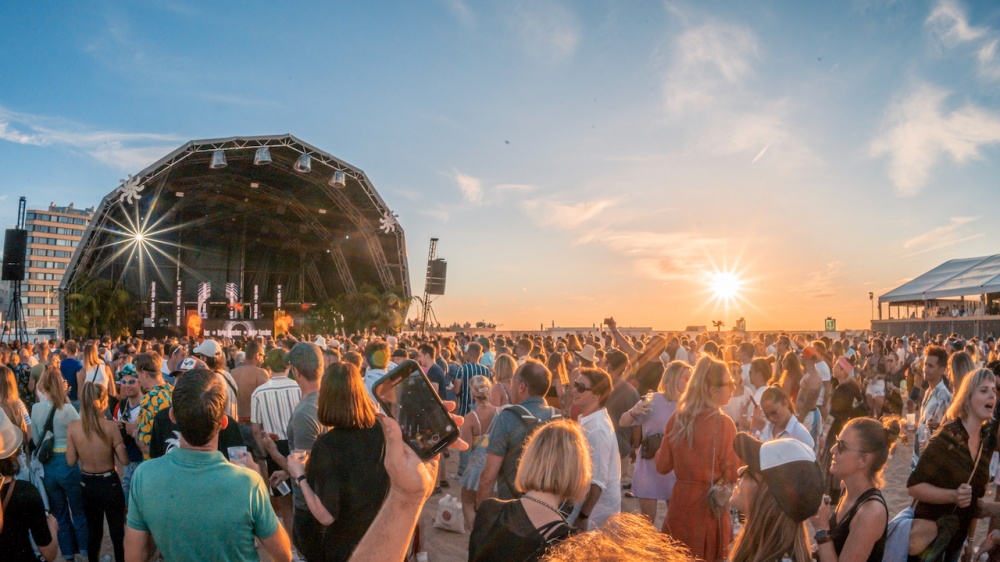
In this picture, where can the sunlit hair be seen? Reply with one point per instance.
(343, 400)
(557, 366)
(959, 365)
(791, 372)
(651, 352)
(877, 438)
(729, 354)
(93, 402)
(625, 536)
(52, 383)
(504, 366)
(8, 386)
(90, 357)
(961, 402)
(769, 534)
(672, 383)
(480, 387)
(600, 383)
(709, 373)
(761, 366)
(556, 461)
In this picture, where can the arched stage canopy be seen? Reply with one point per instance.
(954, 278)
(237, 218)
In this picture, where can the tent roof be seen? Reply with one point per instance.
(954, 278)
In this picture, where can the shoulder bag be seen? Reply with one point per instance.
(719, 492)
(44, 451)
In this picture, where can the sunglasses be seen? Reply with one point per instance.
(129, 381)
(842, 447)
(580, 388)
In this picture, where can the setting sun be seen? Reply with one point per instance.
(725, 285)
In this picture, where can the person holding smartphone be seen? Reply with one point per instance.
(343, 479)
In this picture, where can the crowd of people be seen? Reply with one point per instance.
(769, 447)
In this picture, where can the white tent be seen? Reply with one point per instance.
(954, 278)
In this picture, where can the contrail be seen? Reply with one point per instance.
(761, 153)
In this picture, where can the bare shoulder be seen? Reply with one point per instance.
(871, 513)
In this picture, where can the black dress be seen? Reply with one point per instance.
(24, 514)
(503, 532)
(346, 470)
(839, 532)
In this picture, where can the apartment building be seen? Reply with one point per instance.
(53, 235)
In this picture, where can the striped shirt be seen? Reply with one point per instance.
(465, 374)
(272, 404)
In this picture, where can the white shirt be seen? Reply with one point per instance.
(607, 466)
(734, 408)
(272, 404)
(793, 429)
(824, 375)
(371, 377)
(746, 374)
(230, 385)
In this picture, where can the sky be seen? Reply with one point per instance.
(577, 160)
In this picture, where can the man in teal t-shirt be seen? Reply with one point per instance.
(196, 504)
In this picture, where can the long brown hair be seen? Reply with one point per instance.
(557, 366)
(769, 534)
(52, 385)
(8, 385)
(93, 401)
(343, 400)
(651, 352)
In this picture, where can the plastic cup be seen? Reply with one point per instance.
(238, 455)
(911, 420)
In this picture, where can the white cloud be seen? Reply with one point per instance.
(471, 188)
(949, 24)
(439, 212)
(708, 60)
(548, 30)
(917, 132)
(663, 256)
(564, 216)
(128, 152)
(939, 234)
(515, 187)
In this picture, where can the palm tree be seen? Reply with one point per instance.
(718, 324)
(96, 307)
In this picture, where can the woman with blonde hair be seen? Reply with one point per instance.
(476, 432)
(10, 401)
(698, 447)
(952, 473)
(959, 364)
(648, 485)
(94, 370)
(555, 468)
(504, 366)
(343, 479)
(62, 481)
(96, 444)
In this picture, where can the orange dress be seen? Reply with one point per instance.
(689, 518)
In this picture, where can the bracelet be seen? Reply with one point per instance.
(300, 479)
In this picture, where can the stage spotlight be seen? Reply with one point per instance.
(218, 160)
(304, 164)
(338, 179)
(262, 157)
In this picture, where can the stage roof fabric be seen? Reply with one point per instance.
(245, 214)
(954, 278)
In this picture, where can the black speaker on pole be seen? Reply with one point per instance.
(15, 249)
(437, 270)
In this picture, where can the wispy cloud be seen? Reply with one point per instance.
(663, 256)
(564, 216)
(936, 235)
(819, 283)
(949, 25)
(440, 212)
(548, 30)
(461, 10)
(515, 187)
(918, 131)
(708, 84)
(123, 151)
(471, 188)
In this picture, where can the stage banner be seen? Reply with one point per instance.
(237, 328)
(204, 293)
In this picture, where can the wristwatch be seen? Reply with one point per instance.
(822, 536)
(300, 479)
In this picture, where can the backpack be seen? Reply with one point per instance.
(512, 458)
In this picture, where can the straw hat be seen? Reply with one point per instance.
(10, 438)
(589, 353)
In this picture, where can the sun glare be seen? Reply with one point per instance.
(725, 285)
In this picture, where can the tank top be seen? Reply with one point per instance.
(839, 532)
(97, 374)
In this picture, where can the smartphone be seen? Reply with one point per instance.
(407, 395)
